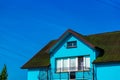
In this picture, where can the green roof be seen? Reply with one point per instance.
(107, 43)
(41, 59)
(110, 43)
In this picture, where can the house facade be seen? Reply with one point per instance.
(74, 57)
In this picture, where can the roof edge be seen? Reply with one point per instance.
(34, 67)
(107, 62)
(79, 36)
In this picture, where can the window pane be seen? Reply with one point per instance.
(65, 64)
(86, 63)
(71, 44)
(59, 65)
(73, 64)
(74, 44)
(80, 63)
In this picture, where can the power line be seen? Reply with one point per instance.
(20, 47)
(13, 43)
(9, 57)
(15, 35)
(110, 3)
(13, 52)
(116, 2)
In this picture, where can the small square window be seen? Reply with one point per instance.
(72, 44)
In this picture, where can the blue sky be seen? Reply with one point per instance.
(27, 25)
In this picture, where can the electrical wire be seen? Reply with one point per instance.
(14, 53)
(110, 3)
(9, 58)
(13, 38)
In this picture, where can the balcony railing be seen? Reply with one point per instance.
(86, 73)
(71, 69)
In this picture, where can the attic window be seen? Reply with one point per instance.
(72, 44)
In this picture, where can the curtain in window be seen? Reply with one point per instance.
(73, 63)
(65, 64)
(59, 65)
(86, 63)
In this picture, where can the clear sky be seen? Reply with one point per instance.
(27, 25)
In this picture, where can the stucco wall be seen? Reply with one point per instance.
(108, 71)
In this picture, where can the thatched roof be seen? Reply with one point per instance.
(107, 43)
(41, 59)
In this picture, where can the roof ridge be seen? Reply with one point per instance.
(78, 35)
(103, 33)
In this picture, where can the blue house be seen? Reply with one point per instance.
(77, 57)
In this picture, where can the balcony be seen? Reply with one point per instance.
(72, 69)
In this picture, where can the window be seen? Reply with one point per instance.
(80, 63)
(59, 65)
(86, 63)
(65, 64)
(73, 64)
(72, 44)
(72, 75)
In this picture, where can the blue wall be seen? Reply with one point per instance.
(36, 74)
(107, 71)
(61, 51)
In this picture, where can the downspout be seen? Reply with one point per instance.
(83, 72)
(39, 75)
(60, 74)
(50, 73)
(84, 65)
(93, 71)
(47, 72)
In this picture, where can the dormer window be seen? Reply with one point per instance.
(72, 44)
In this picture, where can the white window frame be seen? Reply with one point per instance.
(86, 61)
(65, 68)
(57, 68)
(76, 64)
(86, 64)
